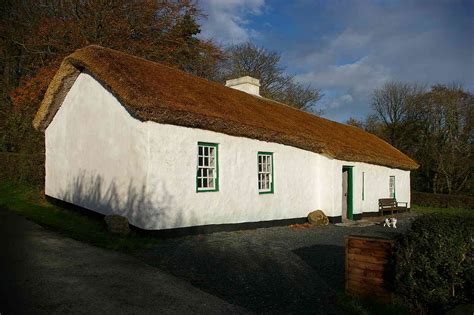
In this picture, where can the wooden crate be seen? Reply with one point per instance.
(366, 260)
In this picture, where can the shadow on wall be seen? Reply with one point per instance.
(146, 210)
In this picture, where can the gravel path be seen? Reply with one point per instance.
(271, 270)
(42, 272)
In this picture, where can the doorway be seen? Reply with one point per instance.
(347, 202)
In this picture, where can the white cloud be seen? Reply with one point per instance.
(227, 20)
(359, 45)
(360, 76)
(337, 102)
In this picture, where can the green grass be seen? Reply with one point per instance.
(445, 211)
(30, 203)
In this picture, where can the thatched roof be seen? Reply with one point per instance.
(152, 91)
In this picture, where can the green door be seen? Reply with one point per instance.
(349, 192)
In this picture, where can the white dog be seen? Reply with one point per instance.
(391, 222)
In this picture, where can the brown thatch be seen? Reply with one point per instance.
(152, 91)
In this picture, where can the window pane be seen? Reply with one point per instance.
(211, 183)
(199, 150)
(264, 172)
(206, 151)
(200, 161)
(206, 161)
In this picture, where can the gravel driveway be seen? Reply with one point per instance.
(271, 270)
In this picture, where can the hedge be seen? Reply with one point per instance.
(442, 200)
(24, 168)
(434, 263)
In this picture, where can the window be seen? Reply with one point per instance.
(363, 186)
(207, 178)
(265, 172)
(392, 187)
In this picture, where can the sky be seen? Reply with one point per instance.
(349, 48)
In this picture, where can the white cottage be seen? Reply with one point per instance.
(170, 150)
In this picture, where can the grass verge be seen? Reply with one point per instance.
(30, 203)
(444, 211)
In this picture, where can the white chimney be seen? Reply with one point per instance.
(246, 84)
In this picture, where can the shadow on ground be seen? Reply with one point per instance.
(326, 261)
(268, 279)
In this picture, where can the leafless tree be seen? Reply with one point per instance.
(435, 127)
(392, 103)
(252, 60)
(447, 134)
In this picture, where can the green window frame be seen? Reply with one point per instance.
(392, 187)
(207, 167)
(265, 168)
(363, 186)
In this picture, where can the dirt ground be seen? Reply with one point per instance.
(289, 269)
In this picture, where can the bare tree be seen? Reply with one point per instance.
(435, 127)
(447, 133)
(392, 104)
(249, 59)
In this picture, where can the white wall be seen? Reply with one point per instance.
(376, 185)
(147, 171)
(96, 154)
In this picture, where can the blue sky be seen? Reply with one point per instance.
(348, 48)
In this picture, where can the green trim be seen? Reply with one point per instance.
(216, 188)
(350, 198)
(271, 191)
(363, 186)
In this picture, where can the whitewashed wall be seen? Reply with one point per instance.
(96, 154)
(101, 158)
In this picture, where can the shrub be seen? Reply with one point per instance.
(434, 268)
(442, 200)
(22, 168)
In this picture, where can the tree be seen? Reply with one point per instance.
(371, 124)
(446, 132)
(249, 59)
(435, 127)
(36, 35)
(392, 104)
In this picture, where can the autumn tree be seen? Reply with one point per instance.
(36, 35)
(252, 60)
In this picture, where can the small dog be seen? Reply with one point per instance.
(391, 222)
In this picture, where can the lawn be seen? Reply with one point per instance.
(445, 211)
(30, 203)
